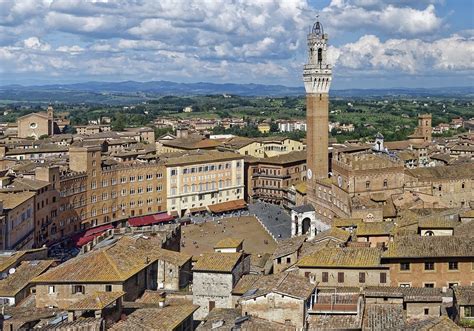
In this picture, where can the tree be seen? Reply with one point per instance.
(119, 122)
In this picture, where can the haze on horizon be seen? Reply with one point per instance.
(374, 43)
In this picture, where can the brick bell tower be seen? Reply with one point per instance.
(317, 76)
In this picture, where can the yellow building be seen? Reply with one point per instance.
(17, 225)
(200, 179)
(263, 127)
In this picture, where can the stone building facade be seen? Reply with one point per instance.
(214, 277)
(433, 261)
(36, 125)
(269, 179)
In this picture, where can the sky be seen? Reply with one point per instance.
(373, 43)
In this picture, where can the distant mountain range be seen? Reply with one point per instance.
(129, 91)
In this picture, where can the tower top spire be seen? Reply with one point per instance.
(318, 27)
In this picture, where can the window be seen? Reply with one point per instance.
(405, 285)
(404, 266)
(361, 277)
(108, 288)
(426, 311)
(279, 260)
(78, 289)
(383, 278)
(140, 178)
(429, 285)
(367, 184)
(385, 183)
(173, 172)
(453, 266)
(452, 285)
(340, 277)
(469, 311)
(51, 289)
(429, 266)
(325, 277)
(288, 260)
(132, 179)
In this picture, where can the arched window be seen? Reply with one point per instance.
(320, 55)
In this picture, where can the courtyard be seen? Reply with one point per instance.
(201, 238)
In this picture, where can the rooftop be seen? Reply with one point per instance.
(166, 318)
(465, 170)
(25, 272)
(229, 243)
(13, 200)
(217, 262)
(360, 257)
(195, 157)
(374, 228)
(429, 246)
(464, 295)
(288, 246)
(96, 301)
(116, 262)
(286, 283)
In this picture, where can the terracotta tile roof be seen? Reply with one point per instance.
(333, 234)
(288, 246)
(96, 301)
(117, 262)
(166, 318)
(28, 184)
(301, 187)
(13, 200)
(464, 295)
(245, 283)
(286, 283)
(374, 228)
(287, 158)
(346, 222)
(410, 294)
(8, 260)
(87, 323)
(435, 246)
(360, 257)
(437, 223)
(226, 316)
(383, 317)
(334, 322)
(25, 272)
(229, 243)
(465, 170)
(441, 323)
(217, 262)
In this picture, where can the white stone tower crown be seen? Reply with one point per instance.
(317, 72)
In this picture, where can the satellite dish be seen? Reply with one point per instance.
(11, 271)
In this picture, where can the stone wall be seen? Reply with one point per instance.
(276, 307)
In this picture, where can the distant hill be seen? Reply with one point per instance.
(131, 91)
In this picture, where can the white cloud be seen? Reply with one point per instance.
(220, 40)
(413, 56)
(36, 43)
(391, 19)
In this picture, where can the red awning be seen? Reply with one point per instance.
(90, 234)
(98, 229)
(150, 219)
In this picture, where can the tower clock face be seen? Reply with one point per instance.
(310, 174)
